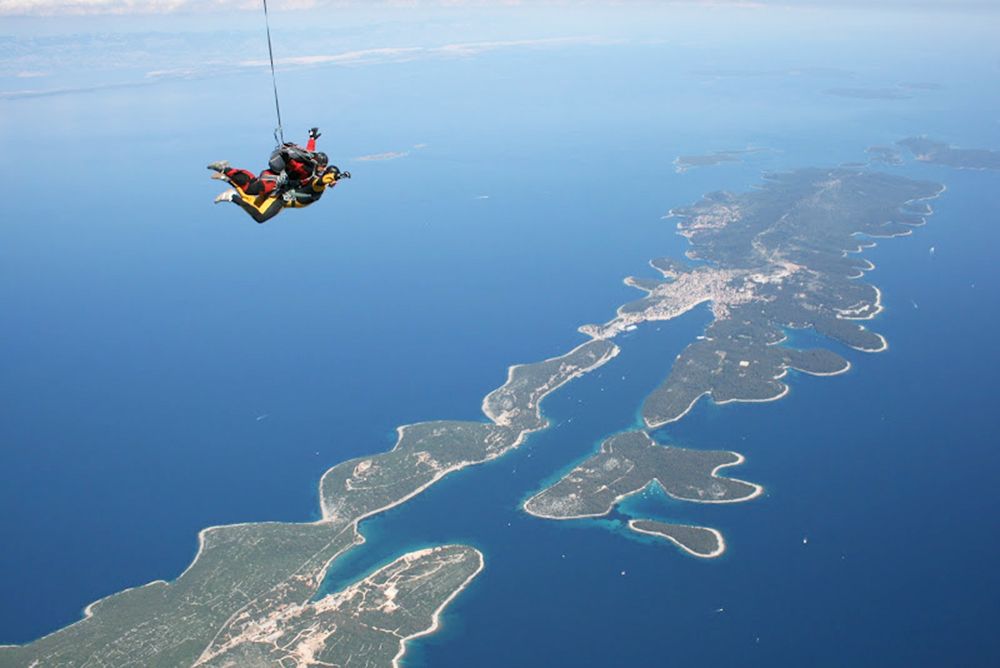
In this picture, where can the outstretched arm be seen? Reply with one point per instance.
(314, 134)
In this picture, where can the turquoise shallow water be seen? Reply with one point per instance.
(143, 342)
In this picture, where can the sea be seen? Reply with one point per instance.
(168, 365)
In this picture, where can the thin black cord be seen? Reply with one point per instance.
(279, 134)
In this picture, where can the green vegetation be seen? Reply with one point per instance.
(784, 255)
(239, 569)
(628, 463)
(364, 625)
(698, 541)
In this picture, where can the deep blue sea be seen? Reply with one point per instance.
(168, 365)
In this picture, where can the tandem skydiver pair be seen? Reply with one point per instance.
(295, 177)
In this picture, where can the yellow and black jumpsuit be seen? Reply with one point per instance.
(262, 206)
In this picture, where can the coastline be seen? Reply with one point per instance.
(781, 395)
(740, 459)
(657, 425)
(877, 306)
(436, 615)
(513, 367)
(758, 490)
(822, 374)
(883, 348)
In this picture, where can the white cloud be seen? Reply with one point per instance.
(77, 7)
(402, 54)
(347, 57)
(49, 92)
(212, 65)
(388, 155)
(140, 7)
(173, 73)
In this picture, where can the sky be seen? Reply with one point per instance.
(75, 7)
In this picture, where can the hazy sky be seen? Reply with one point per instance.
(64, 7)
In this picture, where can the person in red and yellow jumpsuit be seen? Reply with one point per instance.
(295, 177)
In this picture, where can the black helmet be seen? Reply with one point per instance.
(321, 159)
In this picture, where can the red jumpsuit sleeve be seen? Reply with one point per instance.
(311, 145)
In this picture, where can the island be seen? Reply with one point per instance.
(939, 153)
(775, 259)
(628, 463)
(683, 163)
(696, 541)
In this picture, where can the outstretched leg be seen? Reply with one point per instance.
(250, 184)
(261, 214)
(246, 181)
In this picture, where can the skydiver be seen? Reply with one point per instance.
(288, 167)
(295, 177)
(266, 206)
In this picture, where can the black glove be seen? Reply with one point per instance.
(345, 175)
(314, 133)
